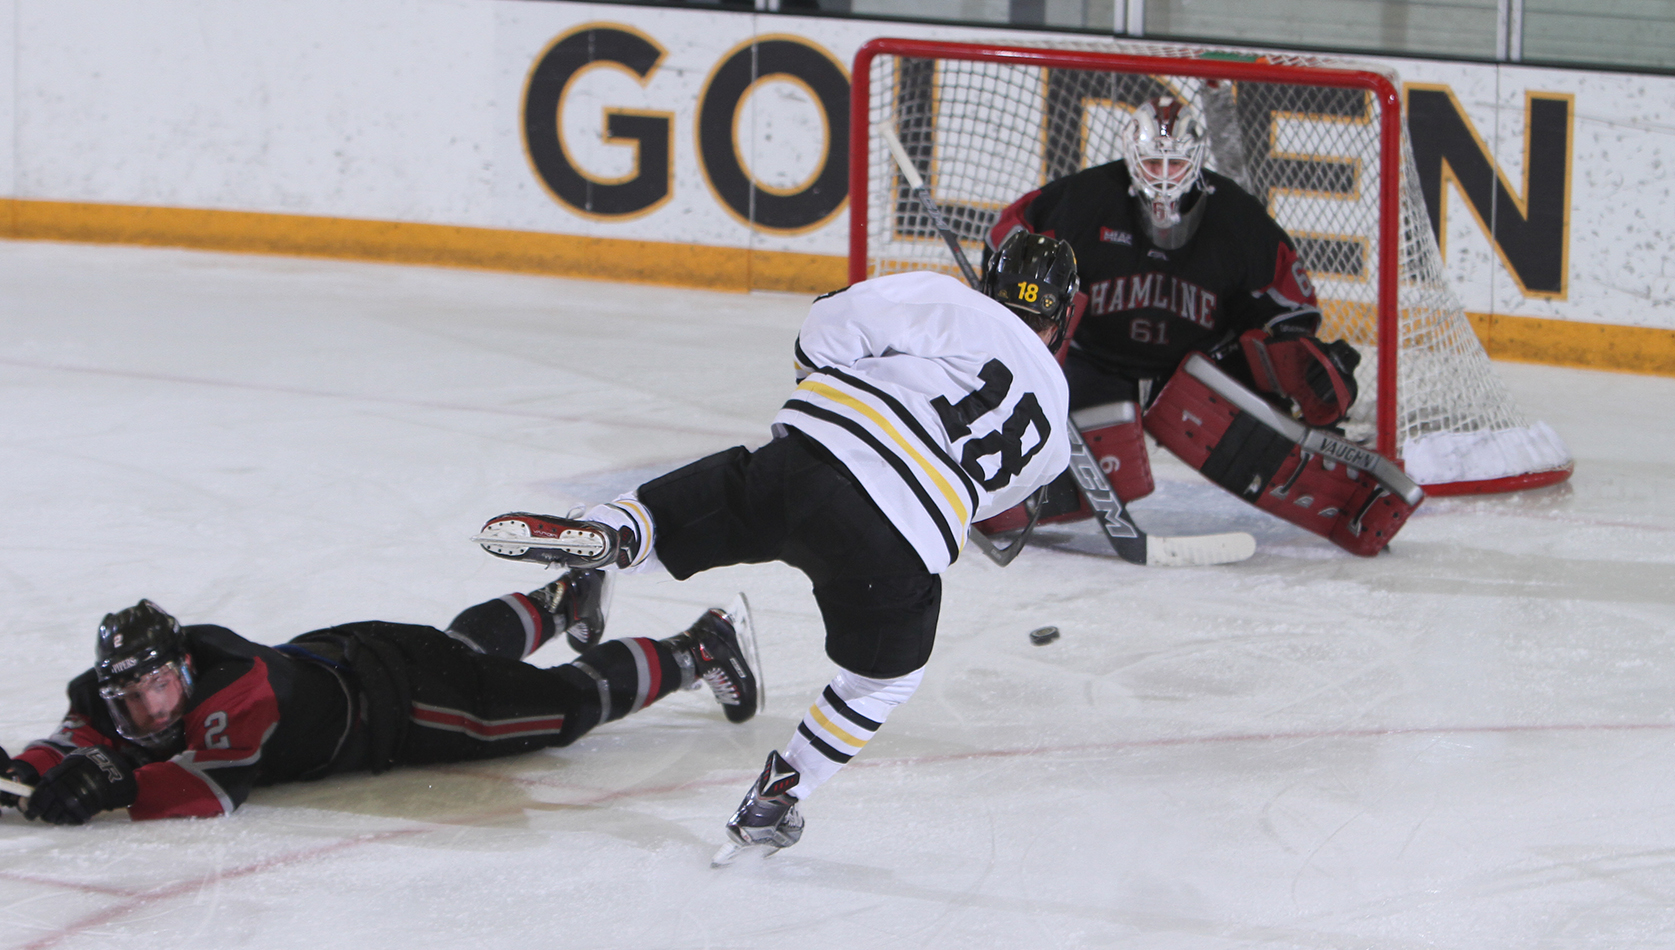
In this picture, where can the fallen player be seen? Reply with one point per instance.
(177, 721)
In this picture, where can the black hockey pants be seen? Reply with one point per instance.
(791, 501)
(427, 698)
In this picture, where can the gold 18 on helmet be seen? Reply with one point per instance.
(144, 674)
(1035, 276)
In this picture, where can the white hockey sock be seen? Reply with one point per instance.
(626, 511)
(849, 712)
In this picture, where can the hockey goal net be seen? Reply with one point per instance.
(1320, 141)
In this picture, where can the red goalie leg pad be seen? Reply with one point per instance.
(1344, 505)
(1116, 438)
(1240, 453)
(1064, 503)
(1113, 433)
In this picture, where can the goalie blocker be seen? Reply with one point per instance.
(1352, 496)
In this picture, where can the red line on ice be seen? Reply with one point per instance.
(165, 892)
(136, 900)
(599, 797)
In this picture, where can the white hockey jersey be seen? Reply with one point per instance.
(944, 405)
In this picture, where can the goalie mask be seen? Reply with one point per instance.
(1165, 146)
(144, 673)
(1035, 277)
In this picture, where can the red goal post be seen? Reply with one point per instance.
(987, 123)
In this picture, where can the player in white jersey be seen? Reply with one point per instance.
(922, 405)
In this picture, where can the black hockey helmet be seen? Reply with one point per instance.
(1035, 276)
(144, 673)
(137, 640)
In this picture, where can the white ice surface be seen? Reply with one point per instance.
(1464, 743)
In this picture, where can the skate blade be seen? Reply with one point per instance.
(732, 851)
(513, 539)
(738, 614)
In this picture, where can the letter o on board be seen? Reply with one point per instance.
(722, 97)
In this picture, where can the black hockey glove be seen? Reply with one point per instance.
(90, 780)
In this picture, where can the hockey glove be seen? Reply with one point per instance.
(1319, 377)
(90, 780)
(1339, 364)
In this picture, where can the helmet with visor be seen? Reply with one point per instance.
(144, 674)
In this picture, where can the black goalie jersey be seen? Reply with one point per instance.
(1148, 307)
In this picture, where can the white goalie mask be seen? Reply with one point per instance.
(1165, 146)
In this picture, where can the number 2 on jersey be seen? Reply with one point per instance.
(214, 725)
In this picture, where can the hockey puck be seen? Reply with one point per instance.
(1041, 636)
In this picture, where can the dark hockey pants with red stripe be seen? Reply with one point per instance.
(430, 697)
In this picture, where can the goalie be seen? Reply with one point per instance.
(1176, 260)
(179, 721)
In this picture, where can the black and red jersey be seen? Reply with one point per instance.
(1148, 307)
(256, 716)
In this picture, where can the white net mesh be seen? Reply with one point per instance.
(983, 133)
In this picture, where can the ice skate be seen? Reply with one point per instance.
(767, 819)
(722, 645)
(551, 539)
(577, 602)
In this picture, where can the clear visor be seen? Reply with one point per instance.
(144, 707)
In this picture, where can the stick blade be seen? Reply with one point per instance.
(1199, 550)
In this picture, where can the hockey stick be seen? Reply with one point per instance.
(994, 552)
(923, 194)
(1136, 546)
(1005, 555)
(1130, 543)
(19, 789)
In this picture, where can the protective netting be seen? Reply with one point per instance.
(984, 133)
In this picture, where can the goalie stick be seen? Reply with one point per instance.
(1130, 543)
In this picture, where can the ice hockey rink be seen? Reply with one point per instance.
(1466, 742)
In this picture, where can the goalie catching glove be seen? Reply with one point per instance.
(1320, 377)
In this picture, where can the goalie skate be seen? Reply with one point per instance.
(550, 539)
